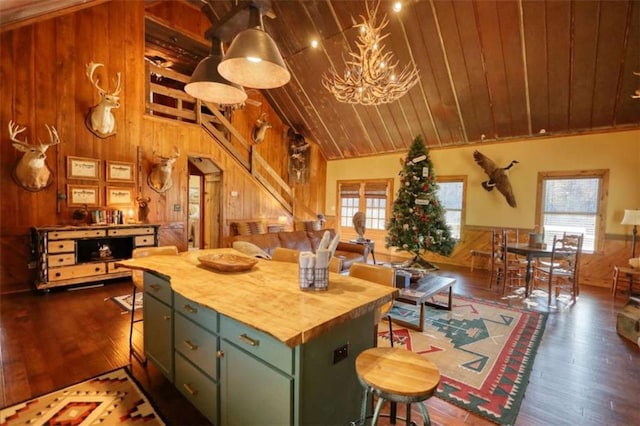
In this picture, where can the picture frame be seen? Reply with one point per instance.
(119, 196)
(81, 195)
(83, 168)
(120, 171)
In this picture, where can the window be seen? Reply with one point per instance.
(573, 202)
(451, 192)
(371, 196)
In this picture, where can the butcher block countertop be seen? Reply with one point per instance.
(267, 297)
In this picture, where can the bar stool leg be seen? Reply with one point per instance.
(363, 408)
(425, 414)
(376, 413)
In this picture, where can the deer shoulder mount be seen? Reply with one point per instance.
(160, 179)
(31, 171)
(100, 119)
(260, 128)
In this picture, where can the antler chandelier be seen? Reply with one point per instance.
(370, 77)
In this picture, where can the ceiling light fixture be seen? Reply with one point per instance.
(207, 84)
(370, 77)
(253, 59)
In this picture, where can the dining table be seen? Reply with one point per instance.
(530, 252)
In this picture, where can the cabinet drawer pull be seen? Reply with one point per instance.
(60, 260)
(190, 345)
(191, 391)
(61, 246)
(248, 340)
(190, 309)
(166, 317)
(220, 354)
(97, 269)
(154, 287)
(58, 274)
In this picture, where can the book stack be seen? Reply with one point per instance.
(107, 217)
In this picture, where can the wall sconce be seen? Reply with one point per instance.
(253, 59)
(632, 217)
(207, 84)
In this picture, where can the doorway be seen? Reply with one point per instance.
(203, 221)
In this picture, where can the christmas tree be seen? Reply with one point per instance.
(418, 220)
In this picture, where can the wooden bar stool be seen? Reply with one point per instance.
(396, 375)
(624, 271)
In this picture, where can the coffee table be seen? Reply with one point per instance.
(419, 293)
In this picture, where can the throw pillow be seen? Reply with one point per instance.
(250, 249)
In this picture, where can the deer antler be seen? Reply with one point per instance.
(54, 139)
(14, 131)
(116, 92)
(91, 68)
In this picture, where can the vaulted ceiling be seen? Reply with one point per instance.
(490, 70)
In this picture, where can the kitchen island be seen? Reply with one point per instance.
(251, 347)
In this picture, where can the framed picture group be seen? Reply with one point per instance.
(119, 176)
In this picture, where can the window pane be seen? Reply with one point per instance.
(571, 205)
(450, 196)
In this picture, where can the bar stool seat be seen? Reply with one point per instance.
(396, 375)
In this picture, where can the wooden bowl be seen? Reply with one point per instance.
(227, 262)
(634, 262)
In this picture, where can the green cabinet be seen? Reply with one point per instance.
(158, 324)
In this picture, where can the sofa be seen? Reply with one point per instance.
(346, 252)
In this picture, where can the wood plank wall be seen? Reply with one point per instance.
(42, 78)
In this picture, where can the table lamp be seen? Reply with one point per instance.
(632, 217)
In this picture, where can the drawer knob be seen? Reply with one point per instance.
(60, 260)
(191, 391)
(220, 354)
(61, 246)
(97, 269)
(248, 340)
(191, 345)
(57, 274)
(191, 309)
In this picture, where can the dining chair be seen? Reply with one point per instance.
(138, 286)
(509, 269)
(561, 270)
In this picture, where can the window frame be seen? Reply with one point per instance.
(362, 200)
(602, 175)
(463, 209)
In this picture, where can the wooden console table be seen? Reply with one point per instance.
(418, 294)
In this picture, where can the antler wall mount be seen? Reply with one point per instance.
(100, 119)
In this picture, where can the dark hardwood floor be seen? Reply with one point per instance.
(584, 372)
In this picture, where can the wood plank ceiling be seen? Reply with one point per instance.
(490, 70)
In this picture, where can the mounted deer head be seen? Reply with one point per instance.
(31, 171)
(260, 128)
(100, 120)
(160, 179)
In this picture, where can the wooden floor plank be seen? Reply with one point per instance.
(584, 372)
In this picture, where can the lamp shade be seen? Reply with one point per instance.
(253, 60)
(631, 217)
(207, 84)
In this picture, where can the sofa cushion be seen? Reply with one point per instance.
(316, 236)
(267, 242)
(296, 240)
(249, 228)
(250, 249)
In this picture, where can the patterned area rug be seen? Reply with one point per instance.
(109, 399)
(125, 300)
(484, 350)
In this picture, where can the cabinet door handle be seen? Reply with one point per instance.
(220, 354)
(191, 345)
(191, 391)
(248, 340)
(166, 317)
(190, 309)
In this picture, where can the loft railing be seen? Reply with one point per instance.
(166, 98)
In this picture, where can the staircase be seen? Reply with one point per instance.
(166, 98)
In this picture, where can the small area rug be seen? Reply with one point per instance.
(125, 300)
(484, 350)
(109, 399)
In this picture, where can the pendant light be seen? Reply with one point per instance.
(207, 84)
(253, 59)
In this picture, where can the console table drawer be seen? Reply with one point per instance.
(257, 343)
(77, 271)
(204, 317)
(61, 246)
(86, 233)
(61, 259)
(131, 231)
(196, 344)
(142, 241)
